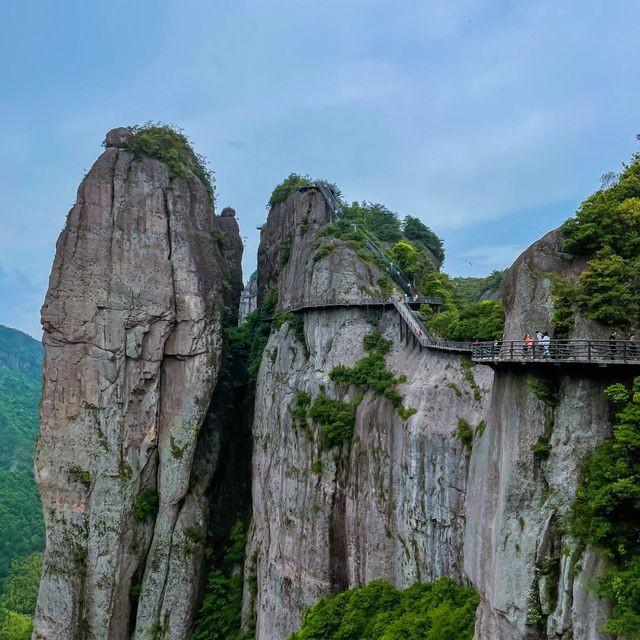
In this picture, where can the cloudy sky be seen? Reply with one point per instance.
(489, 120)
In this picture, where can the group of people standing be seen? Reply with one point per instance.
(540, 344)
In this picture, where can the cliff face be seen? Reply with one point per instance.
(391, 504)
(132, 323)
(518, 553)
(406, 501)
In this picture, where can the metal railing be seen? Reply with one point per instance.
(567, 351)
(553, 351)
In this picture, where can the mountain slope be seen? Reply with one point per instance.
(21, 527)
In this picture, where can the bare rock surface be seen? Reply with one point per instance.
(132, 344)
(389, 506)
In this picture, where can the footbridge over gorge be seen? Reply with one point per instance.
(499, 352)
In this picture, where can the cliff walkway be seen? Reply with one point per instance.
(556, 352)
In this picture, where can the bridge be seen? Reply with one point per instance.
(499, 352)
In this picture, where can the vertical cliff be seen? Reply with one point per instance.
(406, 500)
(518, 552)
(390, 503)
(132, 334)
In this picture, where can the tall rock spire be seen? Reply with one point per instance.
(132, 336)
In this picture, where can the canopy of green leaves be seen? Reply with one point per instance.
(466, 290)
(606, 228)
(606, 513)
(437, 611)
(417, 232)
(157, 140)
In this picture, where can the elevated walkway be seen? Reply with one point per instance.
(557, 352)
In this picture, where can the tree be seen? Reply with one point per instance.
(607, 290)
(405, 256)
(416, 231)
(20, 590)
(383, 223)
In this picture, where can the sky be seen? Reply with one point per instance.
(489, 120)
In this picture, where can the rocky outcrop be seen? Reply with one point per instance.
(132, 323)
(518, 552)
(406, 501)
(389, 505)
(304, 268)
(249, 298)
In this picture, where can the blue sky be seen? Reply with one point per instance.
(489, 120)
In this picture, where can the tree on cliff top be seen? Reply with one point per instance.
(606, 228)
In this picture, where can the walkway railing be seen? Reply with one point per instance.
(558, 351)
(554, 352)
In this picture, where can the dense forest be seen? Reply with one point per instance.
(21, 525)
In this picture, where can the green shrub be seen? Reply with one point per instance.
(336, 420)
(542, 448)
(146, 505)
(323, 251)
(464, 433)
(296, 322)
(288, 186)
(371, 373)
(316, 467)
(466, 366)
(78, 474)
(543, 390)
(218, 238)
(606, 512)
(157, 140)
(221, 612)
(437, 611)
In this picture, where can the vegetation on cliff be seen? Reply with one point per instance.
(606, 229)
(371, 373)
(437, 611)
(606, 513)
(166, 143)
(220, 614)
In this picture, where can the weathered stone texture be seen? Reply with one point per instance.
(132, 344)
(406, 501)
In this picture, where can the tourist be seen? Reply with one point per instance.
(546, 343)
(528, 343)
(612, 344)
(539, 341)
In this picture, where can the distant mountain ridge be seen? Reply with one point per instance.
(20, 351)
(21, 526)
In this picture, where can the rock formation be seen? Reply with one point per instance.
(132, 335)
(406, 500)
(249, 298)
(389, 506)
(136, 443)
(518, 553)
